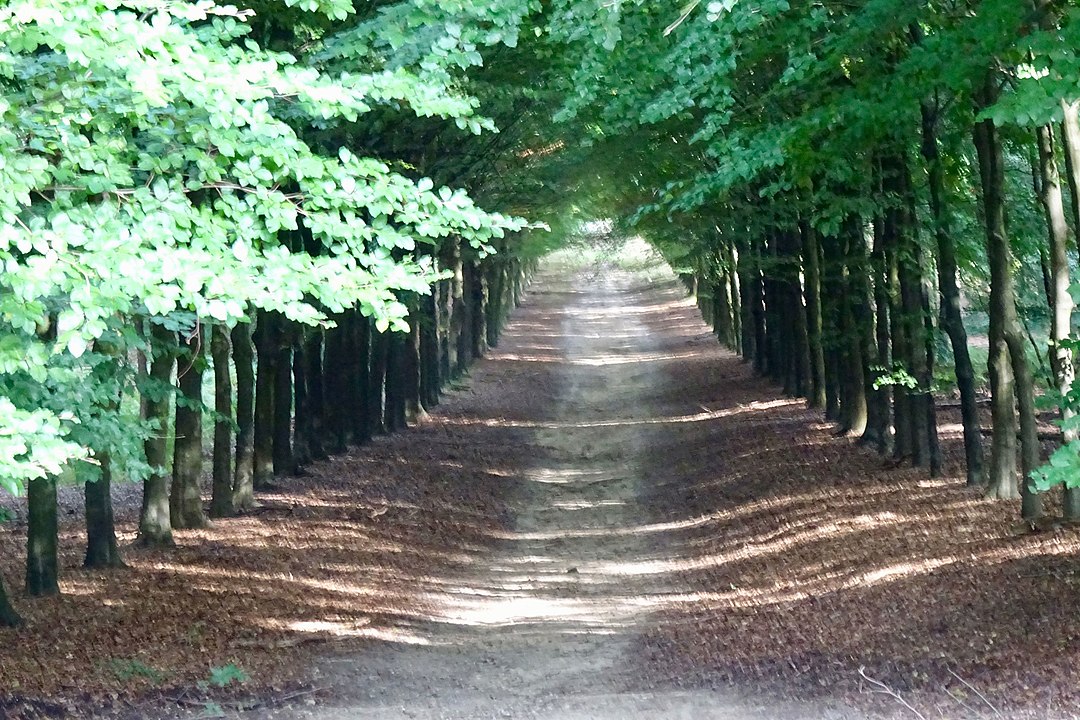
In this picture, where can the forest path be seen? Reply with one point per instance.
(547, 622)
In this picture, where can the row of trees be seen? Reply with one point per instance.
(282, 194)
(840, 178)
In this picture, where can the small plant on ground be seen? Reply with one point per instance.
(127, 669)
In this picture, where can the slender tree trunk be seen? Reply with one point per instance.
(42, 540)
(8, 616)
(243, 485)
(314, 396)
(413, 371)
(1070, 133)
(951, 312)
(185, 498)
(883, 340)
(430, 349)
(360, 384)
(155, 528)
(394, 416)
(812, 292)
(1006, 335)
(283, 460)
(380, 347)
(337, 393)
(854, 303)
(458, 337)
(221, 500)
(265, 345)
(1061, 302)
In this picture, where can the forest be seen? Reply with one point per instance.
(242, 240)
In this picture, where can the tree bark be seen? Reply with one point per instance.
(380, 346)
(360, 382)
(283, 459)
(812, 293)
(185, 497)
(1061, 302)
(265, 341)
(8, 616)
(951, 312)
(1008, 360)
(155, 528)
(221, 500)
(243, 484)
(102, 550)
(42, 538)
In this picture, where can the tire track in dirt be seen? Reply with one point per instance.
(547, 623)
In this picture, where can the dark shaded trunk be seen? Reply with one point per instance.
(412, 369)
(879, 267)
(360, 377)
(1010, 373)
(314, 411)
(221, 499)
(853, 327)
(478, 314)
(42, 538)
(284, 462)
(301, 409)
(458, 342)
(102, 550)
(243, 484)
(951, 311)
(155, 528)
(394, 415)
(8, 616)
(185, 497)
(265, 345)
(337, 393)
(430, 350)
(812, 293)
(380, 347)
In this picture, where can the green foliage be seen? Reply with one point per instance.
(226, 675)
(127, 669)
(157, 161)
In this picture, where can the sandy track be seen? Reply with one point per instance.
(547, 623)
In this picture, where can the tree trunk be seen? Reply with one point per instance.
(951, 311)
(243, 486)
(1061, 302)
(812, 292)
(380, 346)
(360, 377)
(185, 498)
(42, 539)
(412, 369)
(1007, 342)
(430, 349)
(155, 528)
(265, 341)
(101, 547)
(283, 460)
(314, 396)
(8, 616)
(394, 411)
(221, 500)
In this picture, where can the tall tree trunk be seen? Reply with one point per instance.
(951, 312)
(380, 347)
(457, 337)
(42, 540)
(185, 498)
(412, 369)
(243, 487)
(854, 301)
(337, 393)
(430, 349)
(812, 292)
(1061, 302)
(102, 550)
(8, 616)
(265, 345)
(314, 396)
(283, 460)
(360, 383)
(879, 265)
(1007, 341)
(221, 500)
(394, 417)
(155, 528)
(1070, 133)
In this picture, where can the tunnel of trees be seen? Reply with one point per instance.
(278, 229)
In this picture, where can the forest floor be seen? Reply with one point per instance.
(612, 518)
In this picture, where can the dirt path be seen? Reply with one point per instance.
(547, 623)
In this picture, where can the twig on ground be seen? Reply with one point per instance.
(958, 700)
(971, 687)
(879, 687)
